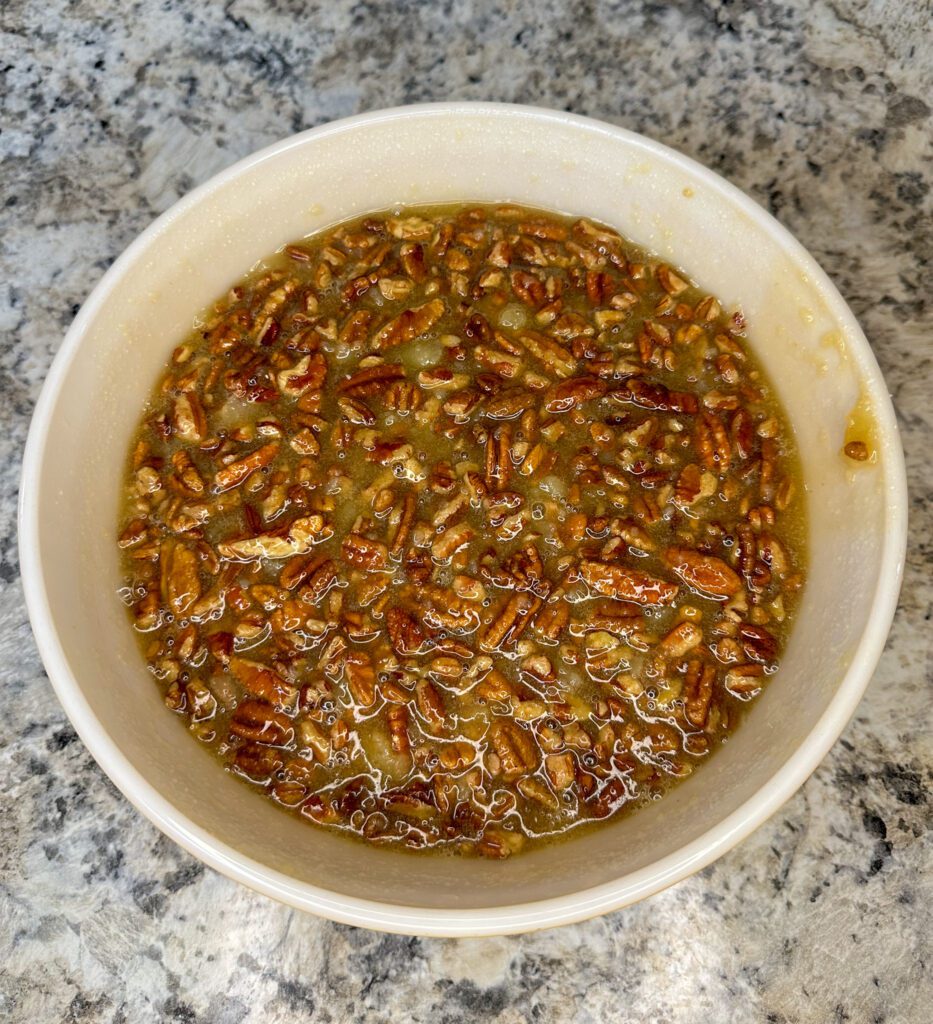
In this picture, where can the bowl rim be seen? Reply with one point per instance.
(448, 922)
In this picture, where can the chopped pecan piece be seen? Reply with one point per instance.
(745, 680)
(189, 420)
(463, 402)
(447, 611)
(403, 528)
(508, 404)
(618, 618)
(498, 457)
(234, 473)
(533, 788)
(682, 638)
(187, 473)
(431, 706)
(551, 621)
(560, 769)
(712, 443)
(528, 288)
(319, 582)
(397, 721)
(354, 410)
(371, 555)
(451, 541)
(759, 645)
(411, 256)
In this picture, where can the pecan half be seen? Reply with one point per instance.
(181, 584)
(698, 692)
(258, 762)
(553, 355)
(511, 622)
(406, 634)
(626, 584)
(361, 677)
(301, 535)
(370, 555)
(371, 380)
(571, 393)
(705, 573)
(515, 748)
(655, 396)
(408, 325)
(261, 681)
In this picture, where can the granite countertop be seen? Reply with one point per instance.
(821, 110)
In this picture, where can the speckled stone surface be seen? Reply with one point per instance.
(821, 110)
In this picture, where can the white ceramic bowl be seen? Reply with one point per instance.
(801, 330)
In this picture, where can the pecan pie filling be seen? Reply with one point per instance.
(463, 527)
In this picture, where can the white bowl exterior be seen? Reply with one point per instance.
(799, 327)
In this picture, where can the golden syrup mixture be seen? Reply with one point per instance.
(461, 527)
